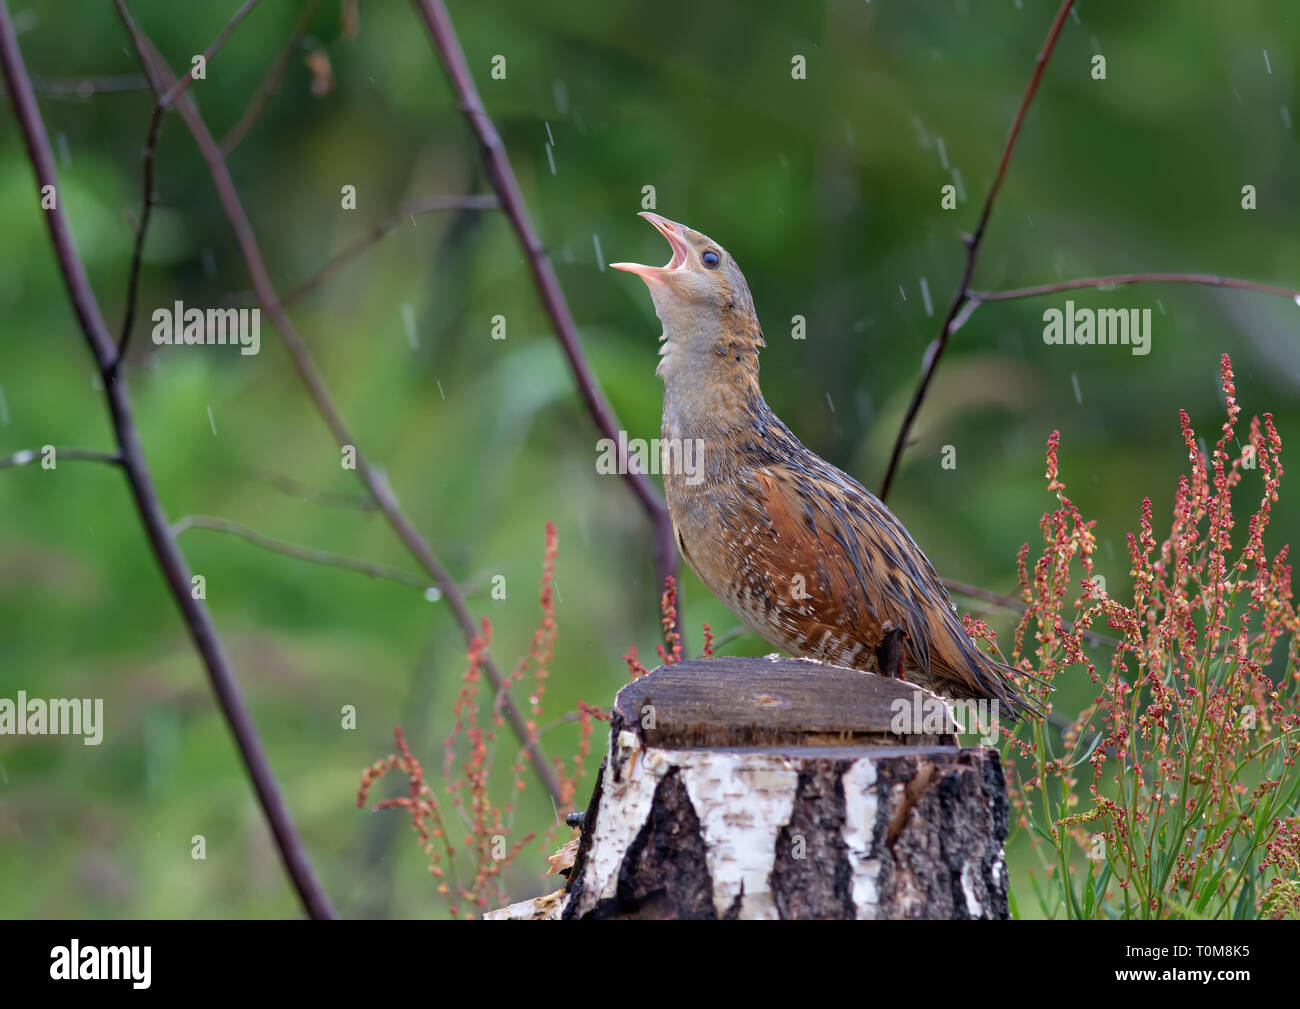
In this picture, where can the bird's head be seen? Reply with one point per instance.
(700, 295)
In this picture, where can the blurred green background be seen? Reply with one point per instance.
(826, 190)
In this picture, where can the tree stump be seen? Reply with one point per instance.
(783, 788)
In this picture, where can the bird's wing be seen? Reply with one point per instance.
(865, 571)
(818, 562)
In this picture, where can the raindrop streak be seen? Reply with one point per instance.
(902, 292)
(561, 96)
(439, 385)
(961, 188)
(943, 152)
(550, 137)
(1160, 305)
(925, 297)
(600, 256)
(4, 406)
(212, 421)
(1286, 117)
(65, 155)
(1078, 396)
(830, 402)
(408, 319)
(1267, 66)
(922, 138)
(551, 158)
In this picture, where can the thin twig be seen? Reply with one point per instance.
(1120, 279)
(373, 479)
(438, 22)
(935, 351)
(176, 89)
(296, 488)
(88, 87)
(1018, 606)
(269, 83)
(301, 553)
(161, 105)
(142, 229)
(170, 560)
(376, 233)
(30, 455)
(740, 630)
(973, 592)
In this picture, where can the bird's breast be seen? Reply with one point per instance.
(736, 547)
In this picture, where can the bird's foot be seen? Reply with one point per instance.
(890, 654)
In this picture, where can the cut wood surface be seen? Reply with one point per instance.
(734, 701)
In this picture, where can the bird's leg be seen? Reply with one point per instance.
(889, 653)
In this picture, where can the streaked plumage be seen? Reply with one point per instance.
(800, 551)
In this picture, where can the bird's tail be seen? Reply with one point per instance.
(1006, 685)
(982, 677)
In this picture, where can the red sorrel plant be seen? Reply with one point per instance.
(671, 651)
(1187, 808)
(471, 877)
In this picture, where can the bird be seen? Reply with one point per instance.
(802, 553)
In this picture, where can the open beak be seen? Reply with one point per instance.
(675, 233)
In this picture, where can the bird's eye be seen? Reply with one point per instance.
(711, 259)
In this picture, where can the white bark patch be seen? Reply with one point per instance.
(742, 803)
(860, 810)
(624, 808)
(970, 879)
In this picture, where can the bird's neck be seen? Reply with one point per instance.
(711, 382)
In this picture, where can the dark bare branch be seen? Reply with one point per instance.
(170, 560)
(436, 19)
(934, 354)
(371, 476)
